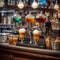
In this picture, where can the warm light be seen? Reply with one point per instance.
(34, 5)
(21, 5)
(1, 3)
(56, 7)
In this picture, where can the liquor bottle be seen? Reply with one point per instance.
(48, 42)
(13, 3)
(57, 39)
(8, 2)
(48, 26)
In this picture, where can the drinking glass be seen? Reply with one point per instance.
(10, 38)
(41, 19)
(17, 19)
(30, 21)
(22, 34)
(36, 36)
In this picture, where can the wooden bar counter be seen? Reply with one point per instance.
(10, 52)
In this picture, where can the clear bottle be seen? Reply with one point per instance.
(4, 19)
(9, 20)
(11, 2)
(8, 2)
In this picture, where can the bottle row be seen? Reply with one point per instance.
(32, 3)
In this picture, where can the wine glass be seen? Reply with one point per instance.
(41, 19)
(15, 39)
(17, 19)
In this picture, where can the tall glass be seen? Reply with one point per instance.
(41, 19)
(36, 36)
(17, 19)
(22, 34)
(30, 21)
(13, 39)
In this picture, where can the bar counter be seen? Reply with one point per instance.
(11, 52)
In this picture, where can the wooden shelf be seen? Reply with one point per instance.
(28, 8)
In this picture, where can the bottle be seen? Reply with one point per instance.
(9, 20)
(4, 19)
(48, 42)
(8, 2)
(13, 3)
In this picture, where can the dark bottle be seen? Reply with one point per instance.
(48, 26)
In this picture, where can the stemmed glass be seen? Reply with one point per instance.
(22, 34)
(17, 19)
(36, 36)
(41, 19)
(30, 20)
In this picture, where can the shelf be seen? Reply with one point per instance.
(6, 24)
(28, 8)
(7, 11)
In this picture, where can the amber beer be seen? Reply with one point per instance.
(10, 38)
(13, 39)
(36, 35)
(31, 20)
(22, 33)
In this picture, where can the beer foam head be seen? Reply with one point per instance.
(36, 32)
(22, 30)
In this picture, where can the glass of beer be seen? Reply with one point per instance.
(22, 34)
(29, 18)
(15, 39)
(41, 18)
(10, 38)
(36, 34)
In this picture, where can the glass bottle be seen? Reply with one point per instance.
(48, 42)
(57, 39)
(2, 3)
(4, 18)
(30, 21)
(8, 2)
